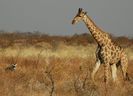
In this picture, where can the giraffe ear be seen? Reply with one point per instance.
(85, 13)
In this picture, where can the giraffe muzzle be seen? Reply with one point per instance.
(73, 22)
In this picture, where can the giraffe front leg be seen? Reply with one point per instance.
(97, 65)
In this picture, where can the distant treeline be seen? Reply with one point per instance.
(10, 38)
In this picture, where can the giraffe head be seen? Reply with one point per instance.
(80, 15)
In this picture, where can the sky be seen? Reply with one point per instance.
(54, 16)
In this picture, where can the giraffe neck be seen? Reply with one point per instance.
(101, 37)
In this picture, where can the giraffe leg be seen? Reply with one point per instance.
(97, 65)
(114, 72)
(124, 66)
(106, 74)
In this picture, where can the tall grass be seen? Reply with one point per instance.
(60, 69)
(64, 72)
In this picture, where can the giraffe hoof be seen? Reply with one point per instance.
(127, 77)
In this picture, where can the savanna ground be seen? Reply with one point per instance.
(56, 66)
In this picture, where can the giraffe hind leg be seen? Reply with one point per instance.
(114, 72)
(124, 66)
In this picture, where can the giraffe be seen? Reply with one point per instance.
(107, 53)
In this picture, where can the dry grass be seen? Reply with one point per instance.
(51, 70)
